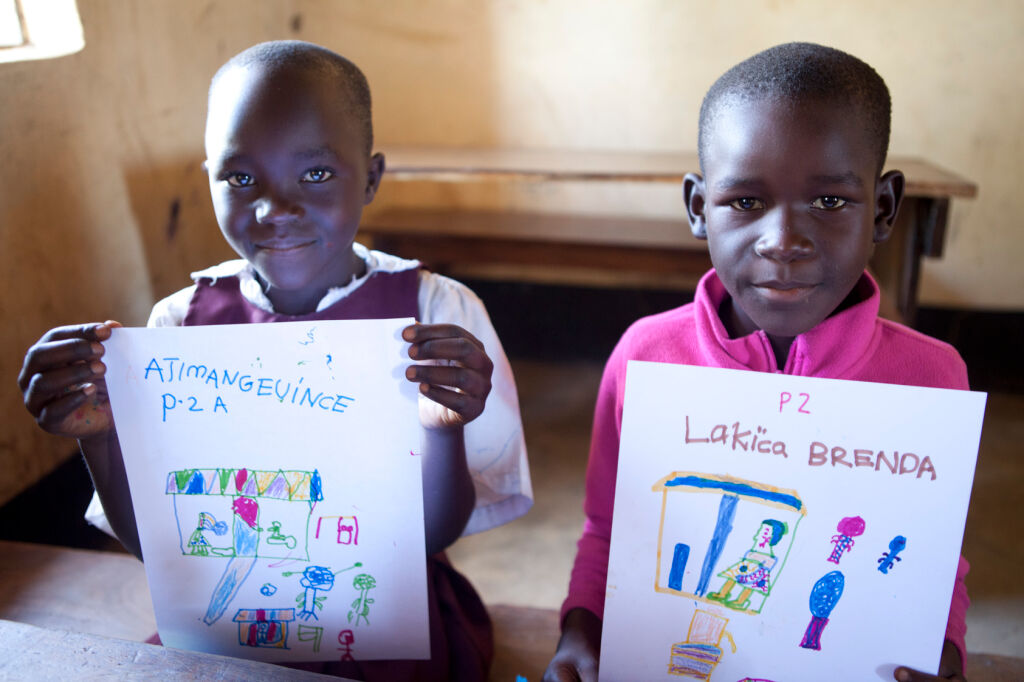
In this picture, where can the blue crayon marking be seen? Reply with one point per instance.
(824, 596)
(234, 575)
(889, 559)
(316, 487)
(195, 484)
(679, 558)
(826, 593)
(246, 539)
(726, 512)
(737, 489)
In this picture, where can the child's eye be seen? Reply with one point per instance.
(240, 180)
(317, 175)
(828, 203)
(747, 204)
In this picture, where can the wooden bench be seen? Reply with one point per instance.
(71, 612)
(613, 250)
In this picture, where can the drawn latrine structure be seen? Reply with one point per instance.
(736, 561)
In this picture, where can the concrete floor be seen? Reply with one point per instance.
(527, 562)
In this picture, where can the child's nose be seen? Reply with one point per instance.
(276, 208)
(782, 241)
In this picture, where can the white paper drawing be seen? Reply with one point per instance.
(276, 486)
(782, 528)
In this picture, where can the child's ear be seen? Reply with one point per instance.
(888, 197)
(693, 197)
(374, 175)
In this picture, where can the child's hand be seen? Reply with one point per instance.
(950, 668)
(459, 384)
(578, 650)
(62, 381)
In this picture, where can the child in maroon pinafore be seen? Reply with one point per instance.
(289, 153)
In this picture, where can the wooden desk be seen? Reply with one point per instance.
(617, 250)
(70, 613)
(30, 652)
(79, 609)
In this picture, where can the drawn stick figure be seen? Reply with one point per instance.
(889, 559)
(363, 582)
(346, 638)
(849, 528)
(314, 579)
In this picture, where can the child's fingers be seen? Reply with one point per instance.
(468, 407)
(905, 674)
(63, 346)
(92, 331)
(459, 350)
(82, 413)
(415, 333)
(468, 381)
(54, 414)
(48, 355)
(44, 388)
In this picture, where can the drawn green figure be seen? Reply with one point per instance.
(276, 537)
(363, 582)
(753, 571)
(198, 545)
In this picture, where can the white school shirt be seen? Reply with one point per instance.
(495, 449)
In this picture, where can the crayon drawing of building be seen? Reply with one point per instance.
(701, 651)
(735, 560)
(264, 628)
(244, 512)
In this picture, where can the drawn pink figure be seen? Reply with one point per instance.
(346, 638)
(849, 528)
(348, 533)
(348, 529)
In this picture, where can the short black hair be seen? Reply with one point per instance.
(802, 71)
(288, 54)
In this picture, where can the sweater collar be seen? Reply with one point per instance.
(834, 348)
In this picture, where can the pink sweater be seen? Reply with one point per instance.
(853, 344)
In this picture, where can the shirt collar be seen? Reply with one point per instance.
(834, 348)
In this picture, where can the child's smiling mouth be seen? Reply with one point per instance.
(284, 247)
(783, 290)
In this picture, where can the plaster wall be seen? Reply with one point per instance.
(103, 201)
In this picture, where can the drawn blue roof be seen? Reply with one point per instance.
(694, 482)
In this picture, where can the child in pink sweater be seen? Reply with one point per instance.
(791, 199)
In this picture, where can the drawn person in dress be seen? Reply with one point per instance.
(753, 572)
(848, 528)
(198, 545)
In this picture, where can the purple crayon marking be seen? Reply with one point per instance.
(849, 528)
(824, 596)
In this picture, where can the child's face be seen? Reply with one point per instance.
(289, 175)
(791, 206)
